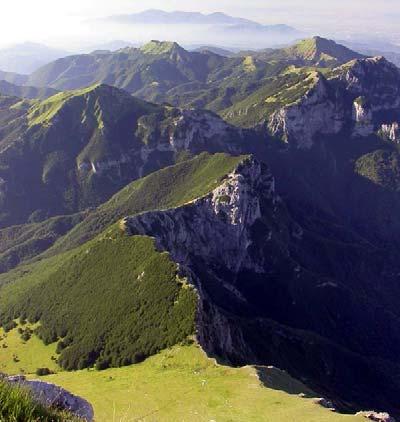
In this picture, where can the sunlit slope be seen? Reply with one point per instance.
(182, 384)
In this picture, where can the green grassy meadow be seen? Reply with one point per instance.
(182, 384)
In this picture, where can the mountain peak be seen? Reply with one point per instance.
(102, 100)
(161, 47)
(321, 51)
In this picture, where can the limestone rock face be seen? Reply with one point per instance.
(362, 116)
(391, 132)
(316, 113)
(186, 130)
(194, 130)
(51, 395)
(224, 217)
(374, 77)
(359, 96)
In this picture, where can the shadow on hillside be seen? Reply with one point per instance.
(276, 379)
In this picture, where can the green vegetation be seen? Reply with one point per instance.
(159, 47)
(52, 171)
(279, 91)
(164, 189)
(100, 301)
(19, 243)
(165, 72)
(20, 356)
(100, 296)
(17, 405)
(381, 167)
(43, 112)
(183, 384)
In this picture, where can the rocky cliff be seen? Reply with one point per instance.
(317, 112)
(263, 300)
(216, 232)
(362, 96)
(225, 216)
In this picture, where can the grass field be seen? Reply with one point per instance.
(178, 384)
(182, 384)
(18, 356)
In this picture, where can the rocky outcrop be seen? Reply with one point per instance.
(261, 301)
(362, 117)
(215, 232)
(224, 217)
(376, 416)
(103, 166)
(373, 77)
(197, 130)
(390, 132)
(186, 130)
(51, 395)
(375, 82)
(325, 403)
(360, 95)
(316, 113)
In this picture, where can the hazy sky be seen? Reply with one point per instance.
(59, 22)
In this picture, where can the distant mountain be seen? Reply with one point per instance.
(155, 67)
(213, 49)
(163, 71)
(313, 51)
(29, 92)
(388, 50)
(154, 17)
(221, 28)
(110, 46)
(13, 78)
(27, 57)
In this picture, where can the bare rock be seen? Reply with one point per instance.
(376, 416)
(325, 403)
(51, 395)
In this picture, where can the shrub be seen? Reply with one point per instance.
(42, 372)
(10, 325)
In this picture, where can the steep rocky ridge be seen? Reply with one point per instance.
(262, 298)
(360, 98)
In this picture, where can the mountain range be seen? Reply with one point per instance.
(249, 202)
(27, 57)
(165, 72)
(221, 28)
(154, 17)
